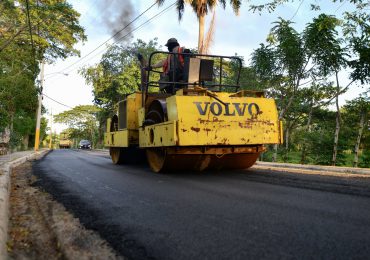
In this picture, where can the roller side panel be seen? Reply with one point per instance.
(204, 121)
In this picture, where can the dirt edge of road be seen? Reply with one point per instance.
(41, 228)
(311, 171)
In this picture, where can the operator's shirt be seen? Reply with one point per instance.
(170, 59)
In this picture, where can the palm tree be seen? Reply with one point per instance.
(208, 41)
(201, 8)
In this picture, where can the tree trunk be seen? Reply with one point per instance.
(287, 131)
(201, 33)
(336, 137)
(25, 141)
(308, 127)
(11, 122)
(281, 115)
(11, 128)
(283, 111)
(337, 125)
(358, 142)
(274, 155)
(92, 136)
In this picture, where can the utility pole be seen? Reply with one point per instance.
(38, 121)
(51, 129)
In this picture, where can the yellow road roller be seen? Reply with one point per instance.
(195, 118)
(64, 141)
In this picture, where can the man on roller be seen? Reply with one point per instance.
(173, 65)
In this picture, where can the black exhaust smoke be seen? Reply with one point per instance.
(115, 15)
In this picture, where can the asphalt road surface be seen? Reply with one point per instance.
(250, 214)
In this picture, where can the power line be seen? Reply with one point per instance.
(344, 2)
(118, 32)
(56, 101)
(137, 28)
(119, 40)
(155, 16)
(60, 103)
(297, 10)
(123, 37)
(30, 31)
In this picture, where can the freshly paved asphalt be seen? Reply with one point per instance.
(250, 214)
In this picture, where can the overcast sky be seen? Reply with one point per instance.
(234, 34)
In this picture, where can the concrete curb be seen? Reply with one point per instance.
(101, 150)
(336, 169)
(5, 172)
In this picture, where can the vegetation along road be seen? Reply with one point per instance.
(246, 214)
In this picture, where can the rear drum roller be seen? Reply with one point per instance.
(156, 158)
(126, 155)
(116, 153)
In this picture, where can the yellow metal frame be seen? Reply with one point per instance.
(224, 119)
(129, 135)
(158, 135)
(133, 107)
(116, 139)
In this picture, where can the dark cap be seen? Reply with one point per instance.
(171, 41)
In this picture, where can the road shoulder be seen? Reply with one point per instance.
(7, 163)
(40, 228)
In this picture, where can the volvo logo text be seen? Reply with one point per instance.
(227, 109)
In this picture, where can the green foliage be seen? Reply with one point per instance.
(116, 75)
(365, 159)
(320, 139)
(315, 54)
(82, 122)
(54, 26)
(202, 7)
(24, 123)
(15, 140)
(263, 63)
(282, 64)
(356, 115)
(269, 6)
(77, 116)
(118, 72)
(356, 29)
(17, 89)
(323, 45)
(249, 80)
(54, 31)
(361, 65)
(289, 48)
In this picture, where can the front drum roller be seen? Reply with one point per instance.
(160, 161)
(233, 161)
(158, 158)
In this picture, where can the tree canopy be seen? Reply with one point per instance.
(302, 71)
(82, 122)
(31, 31)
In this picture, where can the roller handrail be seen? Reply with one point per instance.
(148, 83)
